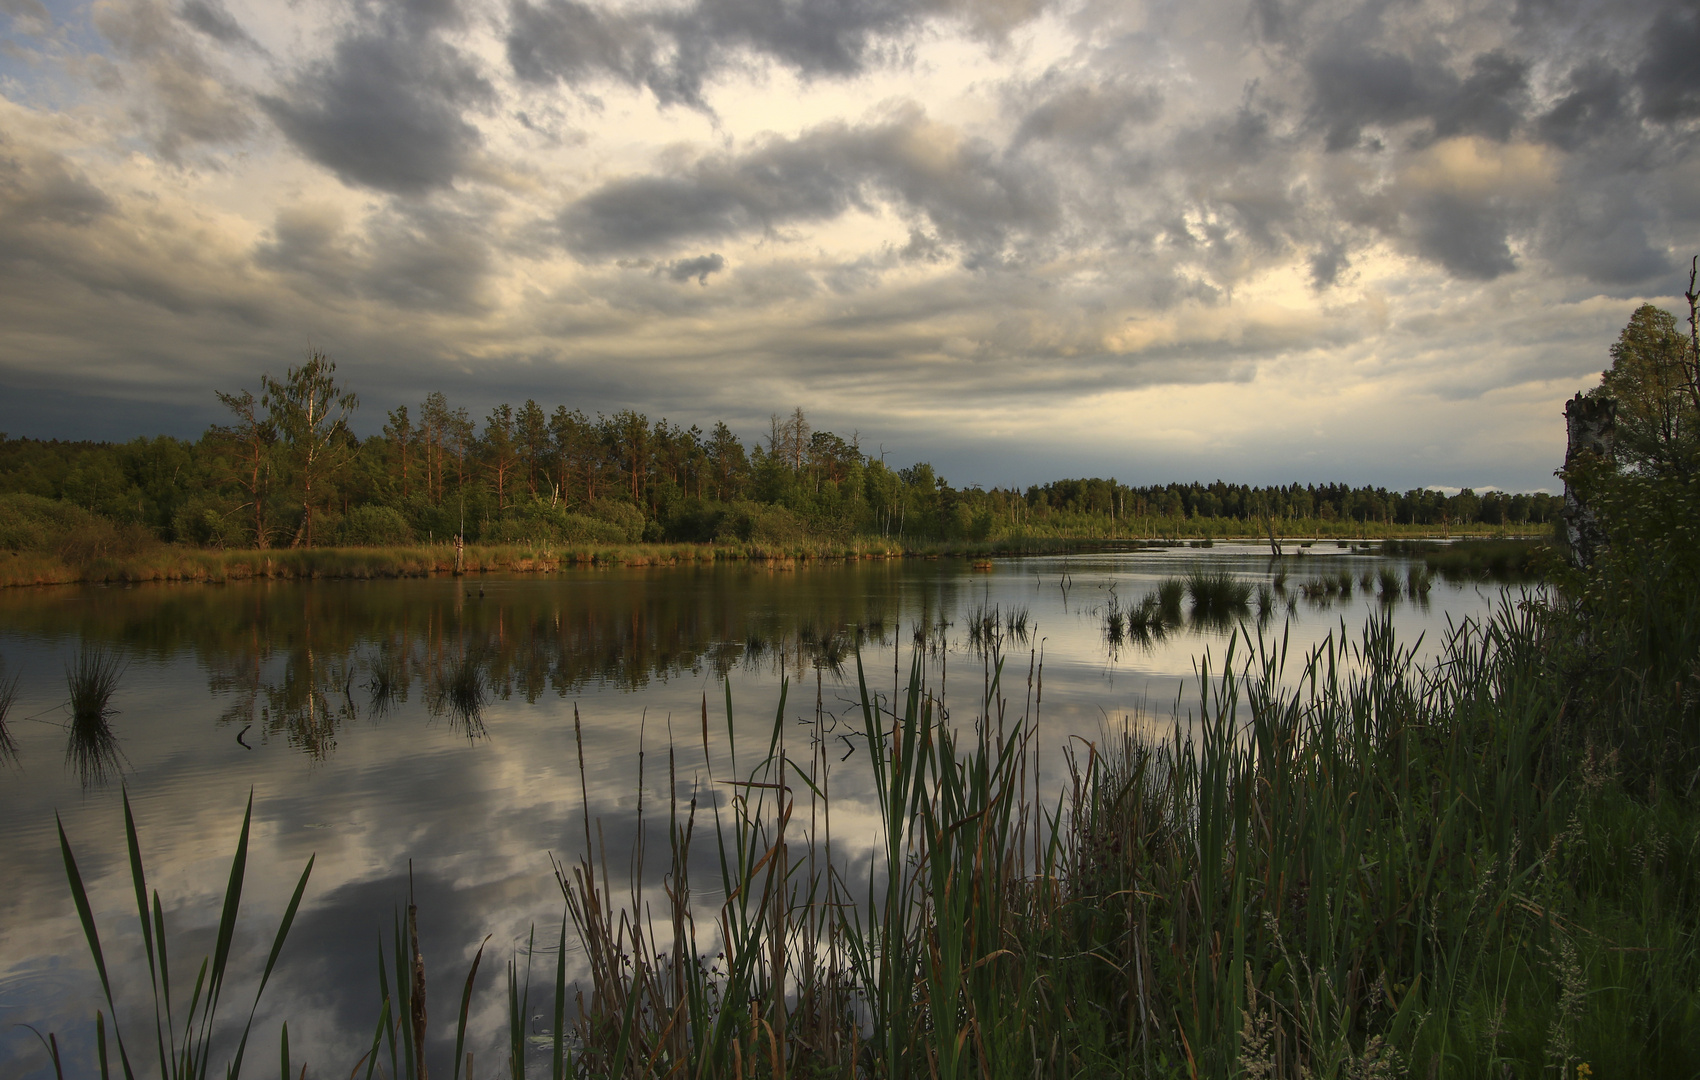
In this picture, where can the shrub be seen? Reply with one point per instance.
(374, 526)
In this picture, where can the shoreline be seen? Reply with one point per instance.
(170, 563)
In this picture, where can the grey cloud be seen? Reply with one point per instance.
(28, 16)
(965, 191)
(1605, 234)
(698, 268)
(673, 52)
(1465, 236)
(39, 188)
(1355, 85)
(211, 18)
(1088, 114)
(1669, 74)
(190, 100)
(1593, 107)
(1327, 265)
(409, 256)
(1490, 101)
(429, 260)
(386, 110)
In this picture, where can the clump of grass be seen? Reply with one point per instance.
(1389, 586)
(1344, 582)
(1216, 592)
(388, 677)
(8, 698)
(1265, 599)
(92, 746)
(461, 692)
(1115, 621)
(1171, 593)
(1016, 623)
(1418, 581)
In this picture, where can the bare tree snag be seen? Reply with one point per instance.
(1590, 426)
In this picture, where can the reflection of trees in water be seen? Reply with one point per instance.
(299, 661)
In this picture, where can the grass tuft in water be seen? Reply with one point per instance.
(8, 698)
(461, 692)
(91, 746)
(1216, 593)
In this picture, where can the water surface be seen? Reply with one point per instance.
(335, 703)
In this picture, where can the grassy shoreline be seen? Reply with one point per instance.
(175, 563)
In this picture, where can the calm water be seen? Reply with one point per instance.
(280, 689)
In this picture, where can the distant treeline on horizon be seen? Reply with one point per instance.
(290, 472)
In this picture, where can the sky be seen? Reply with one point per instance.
(1374, 241)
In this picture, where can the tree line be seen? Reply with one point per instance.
(287, 469)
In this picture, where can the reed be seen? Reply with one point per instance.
(1369, 868)
(184, 1032)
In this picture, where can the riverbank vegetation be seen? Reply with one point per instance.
(289, 473)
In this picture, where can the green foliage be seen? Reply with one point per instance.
(1658, 426)
(36, 523)
(373, 526)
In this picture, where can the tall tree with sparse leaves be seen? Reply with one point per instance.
(310, 413)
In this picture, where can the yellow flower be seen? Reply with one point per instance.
(1584, 1071)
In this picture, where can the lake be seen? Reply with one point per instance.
(431, 729)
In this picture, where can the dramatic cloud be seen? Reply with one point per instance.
(387, 108)
(1236, 238)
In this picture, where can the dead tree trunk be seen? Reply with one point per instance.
(1590, 425)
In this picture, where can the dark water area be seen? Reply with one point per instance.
(438, 724)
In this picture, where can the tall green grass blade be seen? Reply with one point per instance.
(226, 934)
(85, 914)
(466, 1005)
(558, 1065)
(139, 880)
(378, 1035)
(271, 960)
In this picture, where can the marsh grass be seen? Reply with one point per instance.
(1389, 585)
(1418, 581)
(8, 698)
(1217, 595)
(460, 691)
(1341, 865)
(91, 746)
(388, 676)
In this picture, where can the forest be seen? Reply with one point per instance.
(287, 470)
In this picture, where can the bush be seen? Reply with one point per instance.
(203, 521)
(621, 514)
(374, 526)
(32, 523)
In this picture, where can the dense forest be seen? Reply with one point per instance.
(287, 470)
